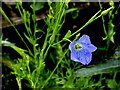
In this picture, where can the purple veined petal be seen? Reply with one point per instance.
(89, 47)
(84, 39)
(84, 57)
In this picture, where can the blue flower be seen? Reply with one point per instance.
(81, 50)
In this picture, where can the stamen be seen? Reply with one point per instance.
(78, 46)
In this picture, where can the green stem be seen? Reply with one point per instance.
(23, 17)
(57, 42)
(41, 57)
(105, 31)
(54, 69)
(14, 28)
(58, 20)
(45, 44)
(34, 19)
(114, 75)
(67, 40)
(19, 83)
(88, 22)
(47, 51)
(96, 18)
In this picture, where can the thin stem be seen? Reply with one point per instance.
(67, 40)
(14, 28)
(47, 51)
(23, 17)
(54, 69)
(114, 75)
(105, 31)
(45, 44)
(19, 83)
(34, 19)
(88, 22)
(57, 20)
(96, 18)
(57, 42)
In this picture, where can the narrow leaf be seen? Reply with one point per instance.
(68, 34)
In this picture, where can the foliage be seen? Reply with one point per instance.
(32, 66)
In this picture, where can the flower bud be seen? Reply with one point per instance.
(106, 11)
(111, 3)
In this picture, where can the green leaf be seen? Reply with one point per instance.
(38, 5)
(39, 30)
(111, 32)
(52, 39)
(9, 63)
(70, 10)
(67, 34)
(75, 14)
(117, 53)
(112, 84)
(112, 65)
(108, 67)
(1, 38)
(29, 39)
(19, 50)
(9, 44)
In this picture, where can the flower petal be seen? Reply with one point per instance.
(88, 58)
(89, 47)
(84, 39)
(74, 57)
(71, 45)
(84, 57)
